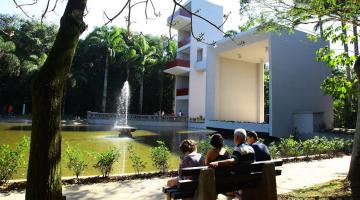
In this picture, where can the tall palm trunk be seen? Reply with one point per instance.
(356, 41)
(347, 103)
(141, 96)
(161, 96)
(104, 94)
(44, 169)
(354, 172)
(321, 28)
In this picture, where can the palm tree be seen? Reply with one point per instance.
(145, 58)
(110, 40)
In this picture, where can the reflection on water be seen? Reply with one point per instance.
(98, 138)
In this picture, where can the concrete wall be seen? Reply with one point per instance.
(295, 81)
(197, 79)
(212, 70)
(238, 91)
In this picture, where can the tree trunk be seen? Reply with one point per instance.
(356, 41)
(103, 102)
(161, 96)
(141, 94)
(44, 169)
(347, 103)
(354, 172)
(127, 71)
(321, 28)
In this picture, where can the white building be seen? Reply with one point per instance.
(225, 83)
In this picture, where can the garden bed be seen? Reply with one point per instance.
(21, 185)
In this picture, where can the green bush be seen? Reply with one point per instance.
(160, 156)
(309, 147)
(137, 163)
(289, 147)
(315, 146)
(12, 159)
(273, 150)
(75, 160)
(106, 160)
(204, 146)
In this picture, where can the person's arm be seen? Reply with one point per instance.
(223, 163)
(210, 156)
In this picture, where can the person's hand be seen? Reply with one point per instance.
(213, 164)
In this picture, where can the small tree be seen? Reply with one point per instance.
(160, 156)
(106, 160)
(137, 163)
(75, 160)
(204, 146)
(11, 160)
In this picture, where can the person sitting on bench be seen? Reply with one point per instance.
(218, 152)
(261, 150)
(190, 159)
(242, 153)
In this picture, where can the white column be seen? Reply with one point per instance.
(260, 117)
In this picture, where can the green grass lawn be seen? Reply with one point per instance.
(336, 189)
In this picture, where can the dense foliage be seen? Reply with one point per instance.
(316, 146)
(22, 52)
(12, 159)
(137, 58)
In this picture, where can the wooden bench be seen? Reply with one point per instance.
(256, 180)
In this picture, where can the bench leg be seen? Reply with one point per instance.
(266, 188)
(206, 189)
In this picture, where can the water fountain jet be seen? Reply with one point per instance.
(121, 123)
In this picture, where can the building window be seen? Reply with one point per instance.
(199, 54)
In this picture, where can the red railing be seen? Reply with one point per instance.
(182, 92)
(184, 42)
(178, 62)
(183, 12)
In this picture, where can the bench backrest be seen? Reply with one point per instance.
(227, 178)
(239, 169)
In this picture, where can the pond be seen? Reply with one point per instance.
(98, 138)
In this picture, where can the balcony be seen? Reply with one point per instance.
(181, 19)
(183, 42)
(182, 92)
(177, 67)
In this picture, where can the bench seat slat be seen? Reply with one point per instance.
(182, 194)
(187, 184)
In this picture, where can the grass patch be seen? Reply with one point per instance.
(336, 189)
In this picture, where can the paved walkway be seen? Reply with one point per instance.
(294, 176)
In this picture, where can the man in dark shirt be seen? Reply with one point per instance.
(261, 150)
(243, 153)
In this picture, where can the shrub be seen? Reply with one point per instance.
(320, 145)
(106, 160)
(12, 159)
(273, 150)
(309, 147)
(204, 146)
(75, 160)
(289, 147)
(137, 163)
(160, 156)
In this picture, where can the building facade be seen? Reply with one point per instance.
(224, 84)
